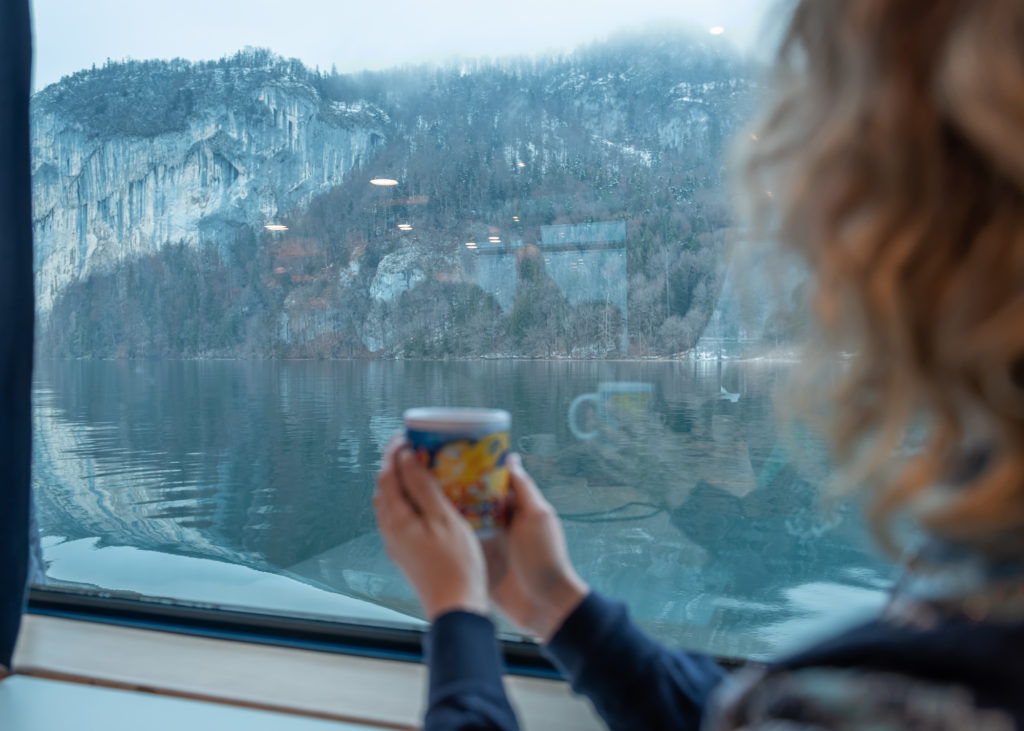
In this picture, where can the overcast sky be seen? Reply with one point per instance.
(71, 35)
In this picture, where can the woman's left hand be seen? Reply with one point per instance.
(432, 544)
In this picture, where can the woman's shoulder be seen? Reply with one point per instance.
(946, 653)
(818, 698)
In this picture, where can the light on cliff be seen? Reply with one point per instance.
(383, 181)
(275, 227)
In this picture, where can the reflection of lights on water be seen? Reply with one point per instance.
(769, 194)
(716, 30)
(405, 227)
(753, 137)
(521, 164)
(515, 218)
(383, 181)
(275, 227)
(280, 270)
(494, 239)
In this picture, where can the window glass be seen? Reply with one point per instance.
(262, 232)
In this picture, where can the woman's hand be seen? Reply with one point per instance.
(432, 544)
(539, 587)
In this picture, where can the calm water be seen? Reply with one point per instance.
(249, 484)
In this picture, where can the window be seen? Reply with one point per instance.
(252, 253)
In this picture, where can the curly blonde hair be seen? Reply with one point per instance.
(892, 159)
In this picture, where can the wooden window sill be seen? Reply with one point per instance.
(322, 685)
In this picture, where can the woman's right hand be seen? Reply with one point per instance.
(537, 587)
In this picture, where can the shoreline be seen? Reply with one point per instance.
(766, 358)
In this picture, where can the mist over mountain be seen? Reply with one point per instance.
(592, 185)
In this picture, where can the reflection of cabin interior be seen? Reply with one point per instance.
(587, 261)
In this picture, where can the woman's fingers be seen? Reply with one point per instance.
(396, 442)
(390, 502)
(526, 495)
(405, 486)
(421, 487)
(495, 550)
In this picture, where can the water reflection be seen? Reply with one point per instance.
(696, 508)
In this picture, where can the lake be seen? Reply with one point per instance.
(248, 484)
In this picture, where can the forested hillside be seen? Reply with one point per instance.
(155, 182)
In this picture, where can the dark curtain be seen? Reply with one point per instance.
(16, 317)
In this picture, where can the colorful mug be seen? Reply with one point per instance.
(466, 450)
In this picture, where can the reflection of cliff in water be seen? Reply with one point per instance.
(256, 462)
(698, 508)
(208, 459)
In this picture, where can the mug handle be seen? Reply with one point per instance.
(574, 408)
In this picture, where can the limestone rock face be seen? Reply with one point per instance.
(396, 273)
(259, 144)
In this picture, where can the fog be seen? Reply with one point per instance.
(71, 35)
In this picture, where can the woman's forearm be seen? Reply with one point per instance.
(632, 680)
(465, 689)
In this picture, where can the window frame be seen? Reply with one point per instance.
(520, 657)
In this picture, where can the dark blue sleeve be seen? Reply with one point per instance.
(465, 676)
(633, 681)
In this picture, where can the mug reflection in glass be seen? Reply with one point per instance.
(614, 403)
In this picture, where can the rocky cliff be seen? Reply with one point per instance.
(155, 183)
(227, 146)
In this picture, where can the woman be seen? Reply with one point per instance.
(892, 161)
